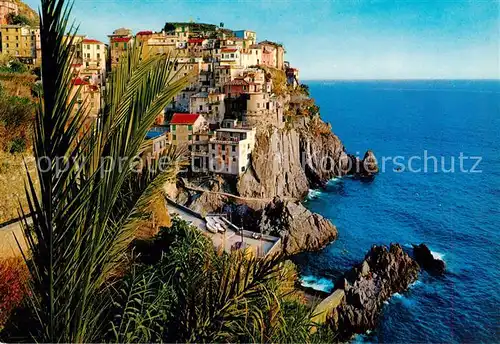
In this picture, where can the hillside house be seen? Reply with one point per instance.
(184, 125)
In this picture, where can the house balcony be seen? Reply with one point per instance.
(201, 153)
(228, 141)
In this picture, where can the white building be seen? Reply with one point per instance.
(230, 56)
(231, 150)
(93, 59)
(210, 105)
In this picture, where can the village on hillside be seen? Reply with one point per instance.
(215, 116)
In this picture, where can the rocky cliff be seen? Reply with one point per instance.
(382, 273)
(288, 160)
(299, 229)
(276, 168)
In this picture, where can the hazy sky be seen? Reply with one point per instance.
(343, 39)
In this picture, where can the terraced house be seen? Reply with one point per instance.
(183, 126)
(22, 42)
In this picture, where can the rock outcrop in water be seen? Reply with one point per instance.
(364, 169)
(427, 261)
(364, 289)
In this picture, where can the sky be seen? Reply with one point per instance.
(342, 39)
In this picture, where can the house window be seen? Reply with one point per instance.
(125, 45)
(213, 145)
(234, 159)
(243, 169)
(116, 45)
(98, 55)
(173, 127)
(234, 148)
(223, 157)
(201, 107)
(258, 105)
(232, 55)
(174, 137)
(190, 127)
(88, 46)
(197, 137)
(190, 137)
(223, 147)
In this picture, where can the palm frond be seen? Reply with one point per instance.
(85, 214)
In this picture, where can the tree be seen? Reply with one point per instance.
(17, 66)
(86, 210)
(18, 19)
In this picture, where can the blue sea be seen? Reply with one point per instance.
(456, 214)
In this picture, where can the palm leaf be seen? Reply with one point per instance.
(84, 215)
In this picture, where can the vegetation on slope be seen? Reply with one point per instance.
(26, 14)
(17, 113)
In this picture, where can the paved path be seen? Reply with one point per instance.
(8, 244)
(248, 199)
(225, 240)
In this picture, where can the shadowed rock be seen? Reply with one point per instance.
(300, 230)
(383, 273)
(427, 261)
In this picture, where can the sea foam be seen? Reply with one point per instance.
(313, 194)
(438, 255)
(321, 284)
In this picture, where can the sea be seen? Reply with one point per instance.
(454, 208)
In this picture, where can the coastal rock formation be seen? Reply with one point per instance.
(300, 230)
(276, 167)
(382, 273)
(322, 153)
(366, 168)
(207, 202)
(287, 162)
(427, 261)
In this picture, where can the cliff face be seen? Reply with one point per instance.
(288, 162)
(299, 229)
(322, 152)
(276, 168)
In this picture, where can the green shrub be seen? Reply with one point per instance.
(18, 145)
(18, 19)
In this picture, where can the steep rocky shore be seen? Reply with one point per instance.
(365, 287)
